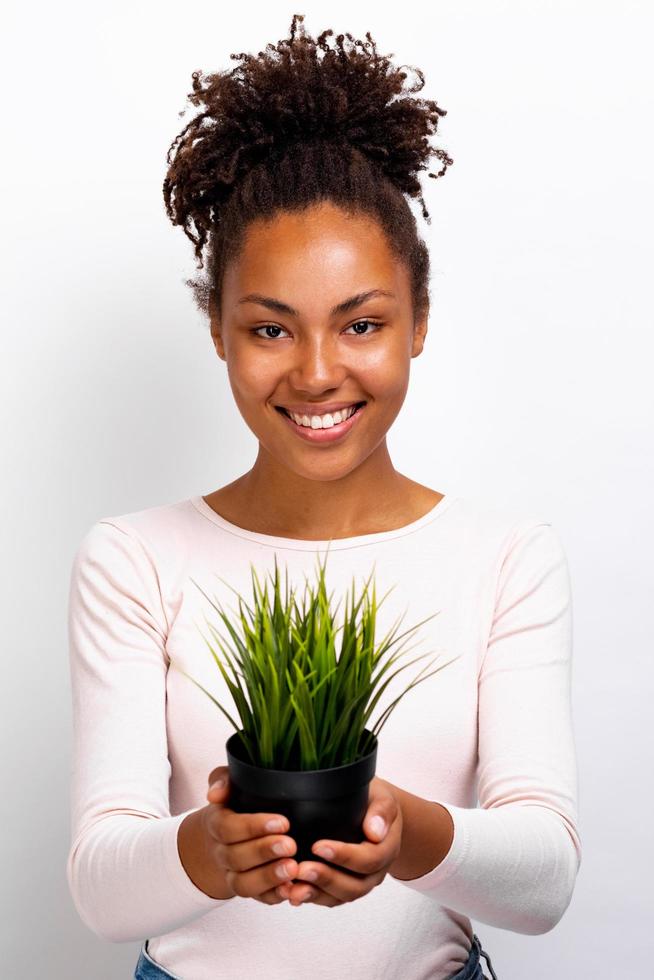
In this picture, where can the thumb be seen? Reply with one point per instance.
(376, 826)
(218, 784)
(382, 810)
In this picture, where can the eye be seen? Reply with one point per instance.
(266, 326)
(274, 326)
(370, 323)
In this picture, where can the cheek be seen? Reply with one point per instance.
(385, 374)
(252, 379)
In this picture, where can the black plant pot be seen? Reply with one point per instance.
(319, 803)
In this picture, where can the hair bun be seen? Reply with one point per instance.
(300, 90)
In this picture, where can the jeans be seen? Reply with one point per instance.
(148, 969)
(472, 968)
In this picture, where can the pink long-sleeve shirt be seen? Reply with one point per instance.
(489, 737)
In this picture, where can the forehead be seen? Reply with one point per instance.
(317, 253)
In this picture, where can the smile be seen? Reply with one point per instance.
(316, 433)
(324, 420)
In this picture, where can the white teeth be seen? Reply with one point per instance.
(323, 421)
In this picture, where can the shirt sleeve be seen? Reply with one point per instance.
(124, 871)
(514, 859)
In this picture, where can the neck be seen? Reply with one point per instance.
(271, 499)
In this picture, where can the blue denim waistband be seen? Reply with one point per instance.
(472, 970)
(148, 969)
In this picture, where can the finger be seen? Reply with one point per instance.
(298, 894)
(336, 886)
(314, 896)
(383, 811)
(252, 853)
(219, 789)
(322, 898)
(217, 774)
(229, 827)
(273, 896)
(375, 826)
(248, 884)
(362, 859)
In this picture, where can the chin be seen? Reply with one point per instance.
(325, 473)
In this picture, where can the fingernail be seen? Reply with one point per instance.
(275, 826)
(219, 783)
(378, 825)
(324, 852)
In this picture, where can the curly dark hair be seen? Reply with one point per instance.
(288, 128)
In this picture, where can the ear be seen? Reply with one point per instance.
(419, 332)
(216, 333)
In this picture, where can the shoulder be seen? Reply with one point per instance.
(495, 521)
(502, 537)
(148, 535)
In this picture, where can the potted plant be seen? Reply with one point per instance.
(302, 748)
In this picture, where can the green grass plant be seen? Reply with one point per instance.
(304, 704)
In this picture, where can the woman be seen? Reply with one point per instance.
(294, 179)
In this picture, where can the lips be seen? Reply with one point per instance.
(320, 436)
(319, 409)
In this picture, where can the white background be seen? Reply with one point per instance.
(535, 385)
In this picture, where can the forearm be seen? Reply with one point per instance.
(191, 844)
(427, 835)
(511, 866)
(127, 880)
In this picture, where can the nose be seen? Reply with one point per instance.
(318, 366)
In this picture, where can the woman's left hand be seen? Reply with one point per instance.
(370, 860)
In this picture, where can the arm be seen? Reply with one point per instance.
(124, 867)
(513, 862)
(198, 863)
(427, 835)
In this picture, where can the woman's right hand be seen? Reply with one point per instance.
(241, 847)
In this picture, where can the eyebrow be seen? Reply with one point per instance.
(344, 307)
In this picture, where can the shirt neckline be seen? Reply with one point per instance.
(311, 544)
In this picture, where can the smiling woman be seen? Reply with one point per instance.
(344, 334)
(293, 182)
